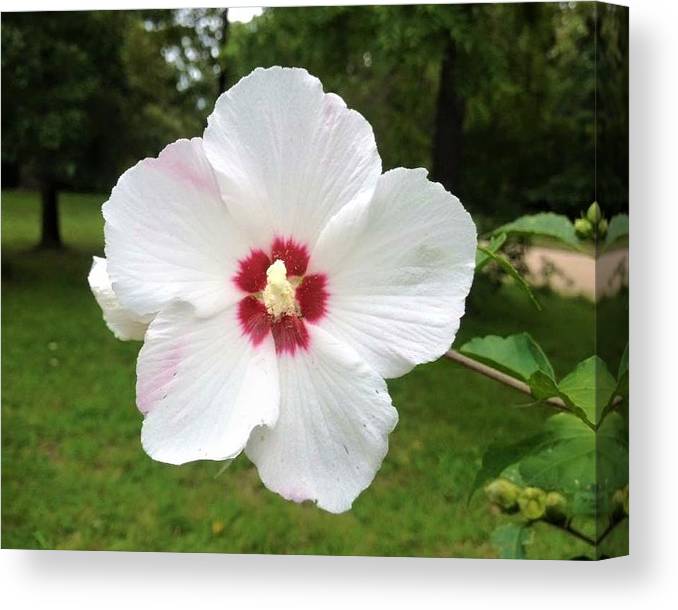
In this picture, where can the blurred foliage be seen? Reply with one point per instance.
(89, 93)
(86, 94)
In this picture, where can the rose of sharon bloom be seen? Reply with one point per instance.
(284, 277)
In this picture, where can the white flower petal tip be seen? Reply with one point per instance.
(401, 269)
(169, 235)
(289, 156)
(332, 432)
(202, 386)
(124, 324)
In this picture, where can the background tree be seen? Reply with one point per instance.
(496, 100)
(85, 95)
(61, 78)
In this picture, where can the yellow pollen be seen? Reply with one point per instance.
(279, 294)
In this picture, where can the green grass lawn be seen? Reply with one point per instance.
(74, 475)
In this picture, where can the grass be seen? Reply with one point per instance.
(74, 475)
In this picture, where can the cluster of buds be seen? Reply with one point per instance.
(532, 502)
(593, 224)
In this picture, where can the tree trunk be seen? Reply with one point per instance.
(447, 139)
(51, 233)
(223, 67)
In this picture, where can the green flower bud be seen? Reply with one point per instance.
(602, 228)
(556, 507)
(503, 493)
(621, 499)
(593, 213)
(532, 503)
(583, 228)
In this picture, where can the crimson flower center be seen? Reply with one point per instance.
(280, 296)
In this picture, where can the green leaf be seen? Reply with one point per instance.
(510, 270)
(482, 256)
(510, 540)
(590, 386)
(617, 229)
(545, 224)
(497, 458)
(585, 464)
(517, 355)
(586, 391)
(542, 386)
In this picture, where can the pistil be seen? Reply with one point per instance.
(279, 296)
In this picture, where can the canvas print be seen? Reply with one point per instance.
(319, 280)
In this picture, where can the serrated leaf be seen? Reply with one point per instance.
(587, 465)
(511, 271)
(517, 355)
(495, 243)
(617, 229)
(510, 540)
(546, 224)
(590, 386)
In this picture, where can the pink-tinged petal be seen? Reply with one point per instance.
(290, 334)
(401, 269)
(124, 324)
(293, 254)
(251, 275)
(312, 297)
(254, 319)
(332, 431)
(289, 156)
(169, 234)
(203, 386)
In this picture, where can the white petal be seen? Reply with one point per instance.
(289, 156)
(169, 235)
(332, 432)
(399, 272)
(203, 386)
(124, 324)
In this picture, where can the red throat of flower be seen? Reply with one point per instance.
(280, 297)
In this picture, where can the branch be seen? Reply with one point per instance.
(516, 384)
(583, 537)
(609, 529)
(496, 375)
(573, 532)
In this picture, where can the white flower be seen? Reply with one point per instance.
(124, 324)
(286, 277)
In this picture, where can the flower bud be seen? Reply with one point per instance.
(583, 228)
(621, 499)
(556, 507)
(532, 503)
(593, 213)
(602, 228)
(503, 493)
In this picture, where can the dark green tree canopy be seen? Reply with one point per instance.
(497, 100)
